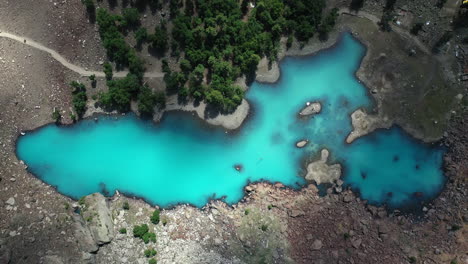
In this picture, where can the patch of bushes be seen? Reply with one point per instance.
(108, 71)
(82, 200)
(125, 205)
(155, 217)
(56, 116)
(150, 252)
(149, 237)
(79, 98)
(247, 211)
(152, 261)
(123, 230)
(120, 94)
(416, 28)
(148, 100)
(141, 231)
(356, 4)
(328, 24)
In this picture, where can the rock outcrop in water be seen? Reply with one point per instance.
(320, 172)
(311, 109)
(302, 143)
(364, 124)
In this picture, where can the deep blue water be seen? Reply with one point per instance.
(181, 160)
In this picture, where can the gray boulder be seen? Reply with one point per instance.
(97, 217)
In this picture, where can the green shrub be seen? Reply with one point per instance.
(82, 201)
(149, 237)
(56, 115)
(141, 35)
(125, 205)
(140, 231)
(264, 227)
(108, 71)
(416, 28)
(123, 230)
(412, 259)
(247, 211)
(155, 217)
(131, 17)
(152, 261)
(89, 4)
(150, 252)
(79, 98)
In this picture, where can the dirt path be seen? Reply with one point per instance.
(398, 30)
(66, 63)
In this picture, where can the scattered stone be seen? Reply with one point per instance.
(317, 245)
(296, 213)
(356, 242)
(11, 201)
(347, 198)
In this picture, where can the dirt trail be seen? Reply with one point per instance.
(64, 62)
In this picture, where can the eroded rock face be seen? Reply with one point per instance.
(97, 217)
(84, 237)
(320, 172)
(311, 109)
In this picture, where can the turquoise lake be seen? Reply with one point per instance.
(182, 160)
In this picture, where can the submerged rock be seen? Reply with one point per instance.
(320, 172)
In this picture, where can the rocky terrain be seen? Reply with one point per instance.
(273, 224)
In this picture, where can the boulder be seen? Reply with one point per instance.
(97, 217)
(83, 236)
(317, 245)
(11, 201)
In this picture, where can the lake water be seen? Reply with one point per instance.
(181, 160)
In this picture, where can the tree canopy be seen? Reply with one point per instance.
(220, 40)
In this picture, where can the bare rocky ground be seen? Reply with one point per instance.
(272, 224)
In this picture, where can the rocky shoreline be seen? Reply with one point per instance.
(272, 223)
